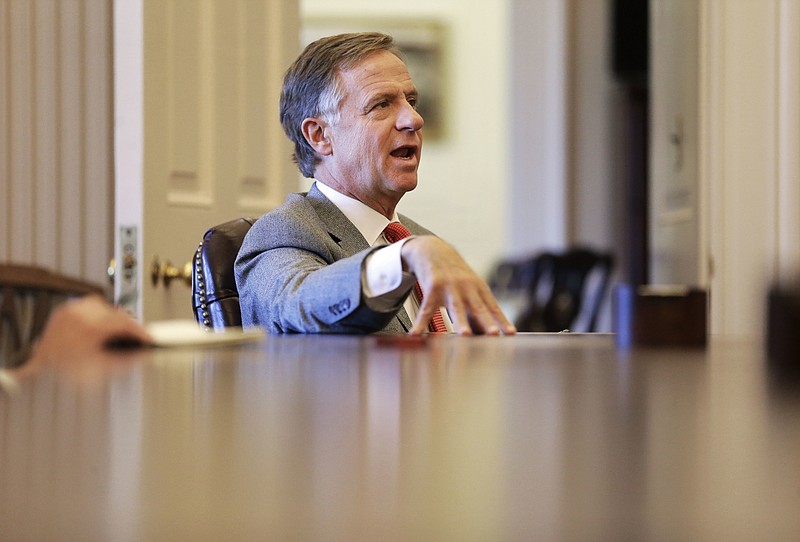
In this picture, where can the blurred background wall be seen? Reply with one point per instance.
(545, 142)
(533, 152)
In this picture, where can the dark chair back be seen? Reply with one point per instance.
(28, 294)
(215, 298)
(566, 291)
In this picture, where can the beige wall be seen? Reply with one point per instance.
(463, 177)
(56, 135)
(675, 244)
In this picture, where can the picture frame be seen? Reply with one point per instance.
(422, 42)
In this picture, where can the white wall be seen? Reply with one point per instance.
(675, 256)
(749, 141)
(596, 164)
(537, 122)
(464, 177)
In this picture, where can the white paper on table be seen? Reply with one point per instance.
(189, 333)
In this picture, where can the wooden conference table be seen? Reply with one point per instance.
(534, 437)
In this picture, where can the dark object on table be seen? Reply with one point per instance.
(783, 333)
(660, 316)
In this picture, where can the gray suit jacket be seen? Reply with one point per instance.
(299, 271)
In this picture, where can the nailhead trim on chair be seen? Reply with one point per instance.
(201, 286)
(215, 298)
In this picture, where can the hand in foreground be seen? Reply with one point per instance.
(448, 281)
(83, 328)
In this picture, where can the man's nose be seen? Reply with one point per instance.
(409, 118)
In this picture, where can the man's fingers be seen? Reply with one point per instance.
(457, 310)
(496, 313)
(424, 316)
(448, 281)
(481, 316)
(471, 308)
(478, 312)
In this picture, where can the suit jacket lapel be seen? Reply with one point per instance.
(340, 228)
(347, 236)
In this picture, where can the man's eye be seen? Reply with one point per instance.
(381, 105)
(412, 101)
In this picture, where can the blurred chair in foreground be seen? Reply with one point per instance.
(28, 294)
(555, 291)
(215, 298)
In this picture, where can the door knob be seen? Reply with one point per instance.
(168, 272)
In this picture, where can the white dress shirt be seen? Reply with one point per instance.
(383, 278)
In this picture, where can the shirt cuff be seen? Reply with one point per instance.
(384, 270)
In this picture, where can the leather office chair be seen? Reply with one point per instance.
(512, 277)
(567, 291)
(28, 294)
(215, 298)
(510, 281)
(554, 292)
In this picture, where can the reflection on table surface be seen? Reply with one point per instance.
(534, 437)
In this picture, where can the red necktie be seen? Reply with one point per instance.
(394, 232)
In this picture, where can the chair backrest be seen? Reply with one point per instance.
(215, 298)
(510, 281)
(567, 291)
(28, 294)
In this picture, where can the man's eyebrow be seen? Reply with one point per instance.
(389, 95)
(381, 95)
(371, 100)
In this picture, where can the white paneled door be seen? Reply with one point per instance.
(197, 137)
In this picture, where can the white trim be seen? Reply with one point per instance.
(743, 100)
(788, 189)
(711, 162)
(128, 127)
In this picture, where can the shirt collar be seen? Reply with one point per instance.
(367, 220)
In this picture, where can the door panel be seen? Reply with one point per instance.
(211, 146)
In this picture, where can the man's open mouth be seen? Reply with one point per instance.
(404, 152)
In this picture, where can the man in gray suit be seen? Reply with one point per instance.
(322, 262)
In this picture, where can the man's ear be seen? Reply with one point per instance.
(314, 132)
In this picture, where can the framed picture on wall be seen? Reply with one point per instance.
(422, 44)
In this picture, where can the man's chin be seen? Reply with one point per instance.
(408, 187)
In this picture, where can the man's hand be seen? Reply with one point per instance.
(448, 281)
